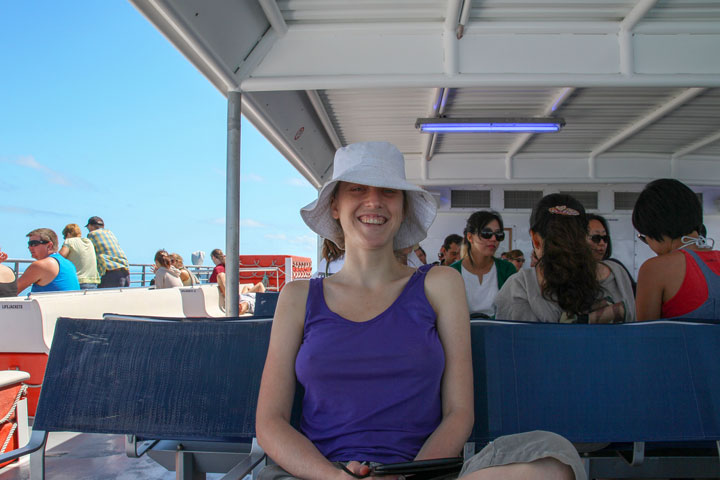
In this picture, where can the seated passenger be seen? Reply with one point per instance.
(601, 243)
(484, 274)
(166, 276)
(51, 271)
(450, 250)
(218, 258)
(517, 258)
(247, 294)
(682, 280)
(381, 349)
(186, 276)
(567, 284)
(81, 252)
(8, 282)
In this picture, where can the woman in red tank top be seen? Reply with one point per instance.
(668, 216)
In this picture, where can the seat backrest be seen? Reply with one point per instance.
(160, 380)
(265, 304)
(597, 383)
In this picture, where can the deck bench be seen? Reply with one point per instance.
(192, 387)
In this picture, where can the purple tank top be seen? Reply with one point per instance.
(372, 389)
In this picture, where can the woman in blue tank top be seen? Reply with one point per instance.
(382, 350)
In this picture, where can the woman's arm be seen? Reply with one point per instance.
(650, 287)
(64, 251)
(285, 445)
(445, 289)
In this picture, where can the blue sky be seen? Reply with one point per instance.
(101, 115)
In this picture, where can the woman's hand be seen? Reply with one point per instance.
(3, 256)
(360, 470)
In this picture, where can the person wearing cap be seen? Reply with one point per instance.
(50, 272)
(112, 264)
(381, 349)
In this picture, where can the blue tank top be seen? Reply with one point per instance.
(372, 389)
(710, 309)
(66, 278)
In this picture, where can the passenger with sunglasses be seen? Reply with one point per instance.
(684, 279)
(567, 285)
(517, 258)
(483, 273)
(601, 243)
(50, 272)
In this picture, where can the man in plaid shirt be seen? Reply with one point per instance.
(112, 263)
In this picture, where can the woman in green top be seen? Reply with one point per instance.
(81, 252)
(484, 274)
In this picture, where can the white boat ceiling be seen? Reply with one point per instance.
(637, 82)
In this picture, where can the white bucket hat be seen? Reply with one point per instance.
(377, 164)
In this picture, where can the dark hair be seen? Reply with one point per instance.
(601, 219)
(450, 239)
(668, 208)
(217, 253)
(330, 251)
(514, 254)
(476, 222)
(567, 264)
(162, 258)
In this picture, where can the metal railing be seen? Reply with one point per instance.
(140, 273)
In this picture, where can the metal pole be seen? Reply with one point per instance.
(232, 207)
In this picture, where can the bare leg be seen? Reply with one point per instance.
(257, 288)
(545, 468)
(244, 307)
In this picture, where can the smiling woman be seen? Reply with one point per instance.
(381, 349)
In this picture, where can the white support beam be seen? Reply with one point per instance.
(557, 100)
(464, 18)
(182, 30)
(274, 16)
(429, 139)
(450, 39)
(633, 128)
(625, 35)
(697, 145)
(324, 118)
(328, 82)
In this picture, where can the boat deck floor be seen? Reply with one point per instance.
(72, 456)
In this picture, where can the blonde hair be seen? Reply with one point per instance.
(72, 230)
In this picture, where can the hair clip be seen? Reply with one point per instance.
(563, 210)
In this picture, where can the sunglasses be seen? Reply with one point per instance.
(642, 238)
(521, 260)
(599, 238)
(35, 243)
(487, 234)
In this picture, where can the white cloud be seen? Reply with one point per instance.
(276, 236)
(216, 221)
(53, 176)
(29, 211)
(249, 222)
(297, 182)
(306, 240)
(252, 177)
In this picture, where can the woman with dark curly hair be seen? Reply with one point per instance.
(567, 285)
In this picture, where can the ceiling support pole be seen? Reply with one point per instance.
(627, 57)
(232, 206)
(324, 118)
(697, 145)
(630, 130)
